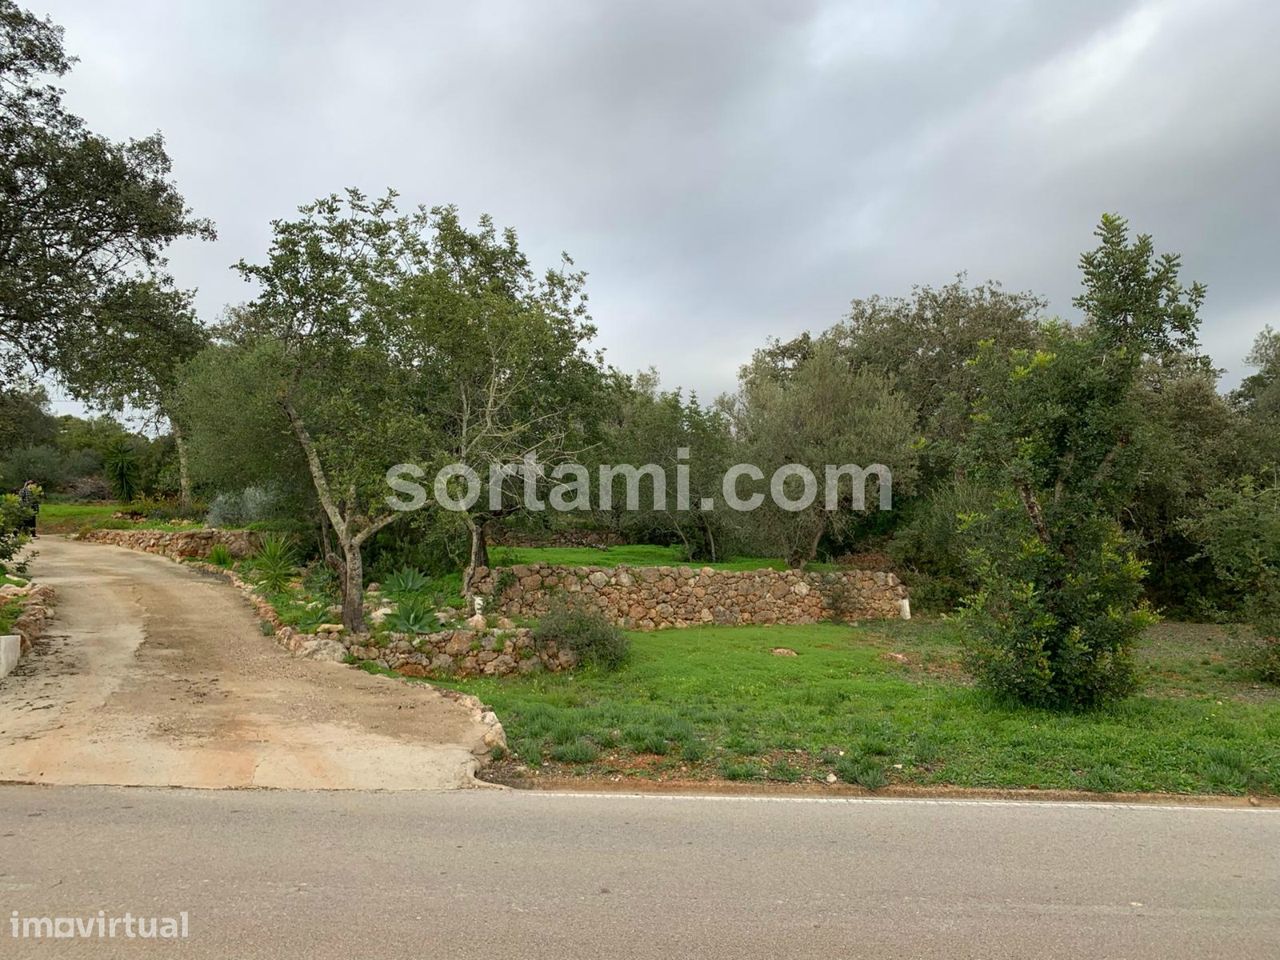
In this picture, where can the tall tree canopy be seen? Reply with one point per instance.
(384, 338)
(1058, 436)
(80, 215)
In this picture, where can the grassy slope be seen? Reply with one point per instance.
(71, 517)
(716, 701)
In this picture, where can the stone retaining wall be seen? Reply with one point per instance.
(37, 607)
(178, 544)
(649, 598)
(464, 653)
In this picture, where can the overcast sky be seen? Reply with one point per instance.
(729, 171)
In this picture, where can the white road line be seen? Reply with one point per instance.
(911, 801)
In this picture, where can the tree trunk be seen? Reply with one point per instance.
(802, 555)
(479, 555)
(711, 537)
(332, 559)
(352, 588)
(184, 469)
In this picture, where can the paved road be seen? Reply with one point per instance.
(157, 674)
(266, 874)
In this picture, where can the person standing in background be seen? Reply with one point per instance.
(29, 497)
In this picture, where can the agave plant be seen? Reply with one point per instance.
(412, 615)
(405, 582)
(275, 563)
(220, 556)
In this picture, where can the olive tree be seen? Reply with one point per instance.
(691, 444)
(833, 422)
(391, 338)
(146, 331)
(505, 372)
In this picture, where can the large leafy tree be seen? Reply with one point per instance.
(387, 338)
(23, 417)
(924, 342)
(641, 424)
(146, 331)
(821, 415)
(80, 215)
(1057, 435)
(1238, 529)
(1258, 399)
(1190, 438)
(508, 377)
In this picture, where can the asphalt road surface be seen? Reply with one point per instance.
(505, 874)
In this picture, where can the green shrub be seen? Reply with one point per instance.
(528, 750)
(405, 582)
(322, 579)
(242, 507)
(784, 772)
(580, 751)
(1054, 627)
(13, 515)
(505, 581)
(928, 549)
(1263, 611)
(732, 770)
(693, 749)
(1238, 530)
(220, 556)
(164, 510)
(586, 632)
(275, 564)
(863, 771)
(413, 615)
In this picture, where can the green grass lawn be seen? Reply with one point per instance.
(9, 612)
(68, 517)
(715, 702)
(631, 555)
(65, 517)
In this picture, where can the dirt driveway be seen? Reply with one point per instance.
(156, 674)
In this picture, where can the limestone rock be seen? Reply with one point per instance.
(323, 648)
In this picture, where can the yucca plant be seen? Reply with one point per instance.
(412, 615)
(405, 582)
(120, 464)
(275, 563)
(220, 556)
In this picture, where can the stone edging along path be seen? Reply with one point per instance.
(178, 544)
(37, 608)
(327, 647)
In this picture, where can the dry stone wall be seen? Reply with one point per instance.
(655, 598)
(37, 602)
(464, 653)
(178, 544)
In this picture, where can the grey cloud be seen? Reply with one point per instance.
(725, 171)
